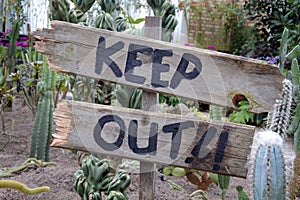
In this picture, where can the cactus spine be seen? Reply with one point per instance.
(42, 129)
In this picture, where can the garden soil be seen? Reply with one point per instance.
(19, 123)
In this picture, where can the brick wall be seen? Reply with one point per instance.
(207, 29)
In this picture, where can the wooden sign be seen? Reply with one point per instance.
(168, 139)
(208, 76)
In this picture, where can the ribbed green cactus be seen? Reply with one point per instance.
(294, 128)
(83, 5)
(42, 129)
(129, 97)
(166, 10)
(11, 51)
(61, 10)
(95, 176)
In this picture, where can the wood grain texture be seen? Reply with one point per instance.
(72, 49)
(149, 103)
(76, 121)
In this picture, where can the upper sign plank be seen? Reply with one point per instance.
(207, 76)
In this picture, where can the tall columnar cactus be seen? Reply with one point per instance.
(11, 51)
(42, 129)
(281, 116)
(95, 177)
(272, 160)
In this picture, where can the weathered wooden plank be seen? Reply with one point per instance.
(149, 103)
(158, 66)
(189, 142)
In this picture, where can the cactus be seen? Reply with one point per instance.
(271, 167)
(104, 21)
(129, 97)
(166, 10)
(11, 51)
(42, 129)
(272, 159)
(22, 188)
(280, 119)
(83, 5)
(294, 127)
(216, 113)
(95, 176)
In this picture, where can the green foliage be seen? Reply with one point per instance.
(95, 177)
(242, 116)
(224, 184)
(170, 100)
(242, 195)
(42, 130)
(28, 75)
(271, 18)
(236, 30)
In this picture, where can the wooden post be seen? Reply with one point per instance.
(149, 103)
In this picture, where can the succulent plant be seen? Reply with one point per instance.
(95, 176)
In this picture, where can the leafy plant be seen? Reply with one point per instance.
(242, 115)
(199, 178)
(271, 17)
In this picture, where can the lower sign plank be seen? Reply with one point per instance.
(168, 139)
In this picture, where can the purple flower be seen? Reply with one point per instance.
(188, 45)
(7, 44)
(273, 60)
(18, 43)
(24, 44)
(4, 34)
(268, 58)
(9, 30)
(23, 38)
(211, 47)
(1, 43)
